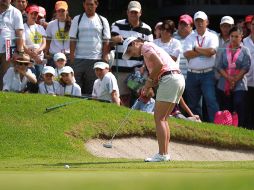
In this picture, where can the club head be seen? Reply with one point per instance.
(108, 145)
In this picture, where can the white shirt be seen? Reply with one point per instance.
(73, 90)
(208, 40)
(49, 89)
(33, 37)
(90, 42)
(103, 89)
(10, 21)
(250, 75)
(60, 41)
(12, 81)
(173, 47)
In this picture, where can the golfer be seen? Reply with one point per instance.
(164, 72)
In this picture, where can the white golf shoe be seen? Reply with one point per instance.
(158, 158)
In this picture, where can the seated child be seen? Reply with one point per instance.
(177, 113)
(105, 87)
(68, 85)
(17, 77)
(60, 62)
(49, 85)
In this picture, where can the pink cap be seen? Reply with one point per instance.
(248, 18)
(42, 11)
(186, 18)
(32, 8)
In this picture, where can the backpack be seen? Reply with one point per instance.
(79, 19)
(226, 118)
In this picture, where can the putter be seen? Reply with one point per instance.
(109, 144)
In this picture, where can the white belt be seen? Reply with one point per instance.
(200, 71)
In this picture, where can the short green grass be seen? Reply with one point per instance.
(36, 145)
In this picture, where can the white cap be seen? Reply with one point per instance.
(48, 69)
(201, 15)
(126, 43)
(100, 65)
(134, 6)
(59, 55)
(227, 20)
(66, 69)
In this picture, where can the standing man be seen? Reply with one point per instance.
(200, 49)
(90, 34)
(11, 26)
(21, 5)
(122, 29)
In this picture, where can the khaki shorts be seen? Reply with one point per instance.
(170, 88)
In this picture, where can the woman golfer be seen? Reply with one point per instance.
(164, 72)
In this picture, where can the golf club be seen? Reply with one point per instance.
(48, 109)
(109, 143)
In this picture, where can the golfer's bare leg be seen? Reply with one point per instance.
(162, 131)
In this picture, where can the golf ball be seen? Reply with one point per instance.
(66, 166)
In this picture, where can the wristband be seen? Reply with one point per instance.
(194, 48)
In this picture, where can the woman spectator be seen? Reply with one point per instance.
(171, 45)
(58, 33)
(249, 43)
(164, 72)
(34, 39)
(233, 63)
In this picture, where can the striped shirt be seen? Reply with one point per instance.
(124, 29)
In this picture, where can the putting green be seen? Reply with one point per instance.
(190, 179)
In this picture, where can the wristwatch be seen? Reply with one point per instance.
(20, 52)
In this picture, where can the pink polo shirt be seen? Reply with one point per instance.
(150, 48)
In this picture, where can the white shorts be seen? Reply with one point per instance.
(170, 88)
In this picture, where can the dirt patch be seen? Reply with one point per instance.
(140, 148)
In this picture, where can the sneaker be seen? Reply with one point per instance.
(158, 158)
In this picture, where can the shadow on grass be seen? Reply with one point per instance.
(90, 163)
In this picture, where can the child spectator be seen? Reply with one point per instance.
(60, 61)
(105, 87)
(144, 103)
(17, 77)
(34, 39)
(68, 84)
(49, 85)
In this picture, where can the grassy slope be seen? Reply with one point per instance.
(35, 146)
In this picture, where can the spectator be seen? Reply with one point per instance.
(157, 30)
(122, 29)
(13, 22)
(21, 5)
(68, 84)
(60, 62)
(58, 33)
(234, 62)
(164, 72)
(200, 49)
(90, 34)
(247, 25)
(17, 77)
(249, 43)
(171, 45)
(105, 87)
(185, 28)
(42, 17)
(34, 37)
(49, 85)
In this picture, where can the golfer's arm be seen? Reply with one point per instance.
(157, 68)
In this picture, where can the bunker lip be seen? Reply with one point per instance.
(140, 148)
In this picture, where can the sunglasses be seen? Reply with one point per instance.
(60, 60)
(20, 63)
(166, 29)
